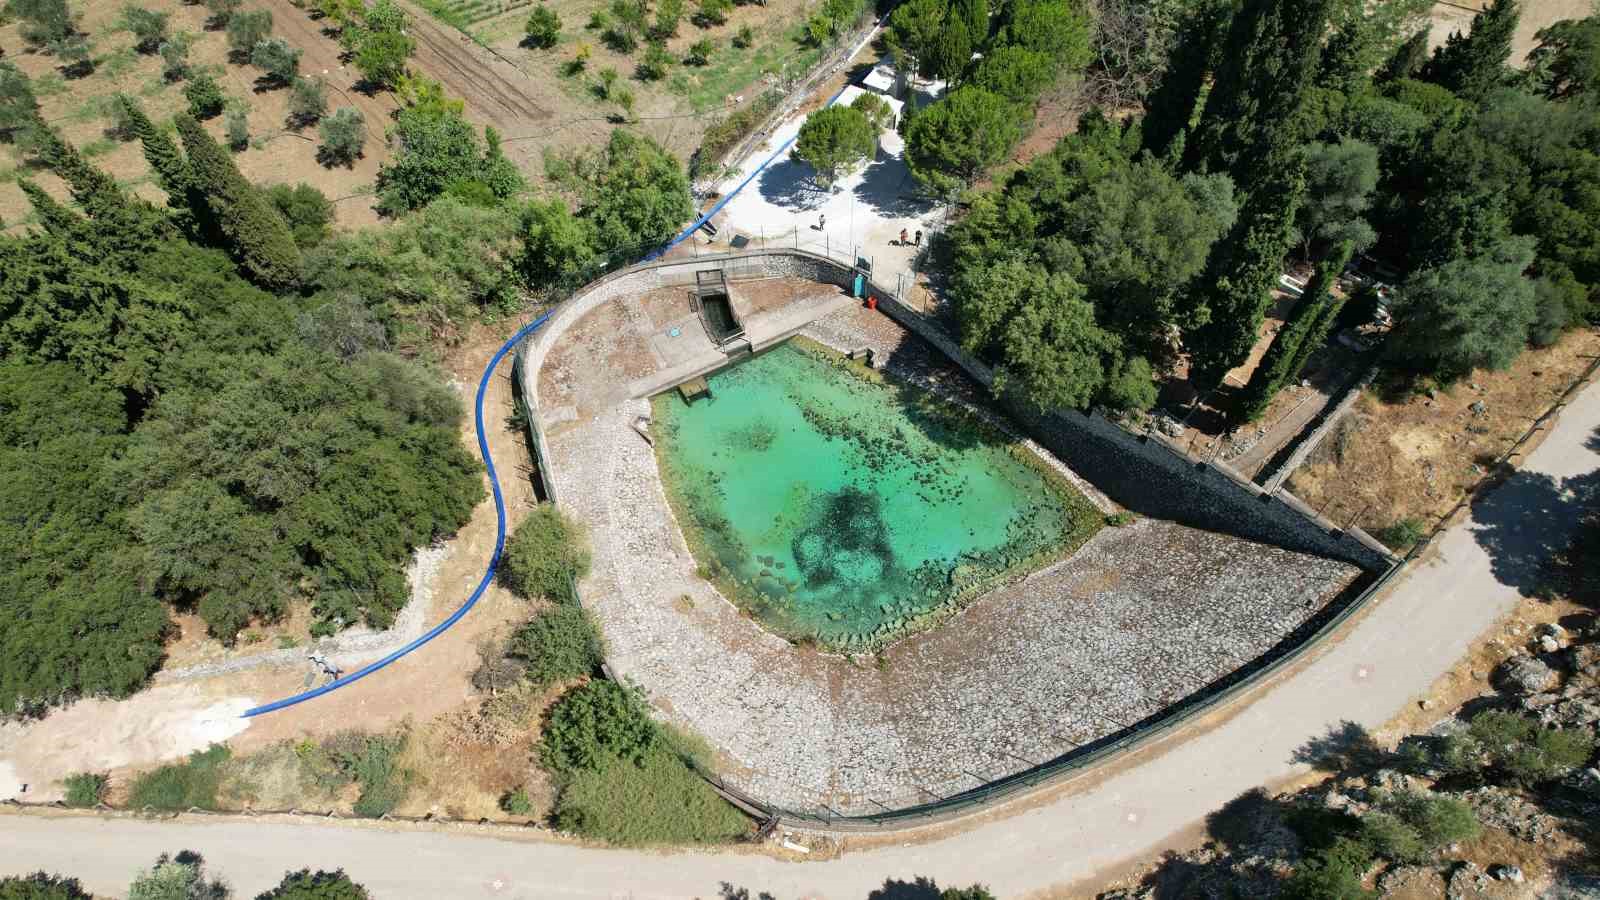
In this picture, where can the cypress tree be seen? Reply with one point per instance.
(255, 231)
(170, 168)
(1474, 63)
(954, 49)
(976, 15)
(1171, 106)
(1237, 285)
(91, 188)
(1406, 60)
(121, 228)
(1271, 53)
(1297, 341)
(56, 219)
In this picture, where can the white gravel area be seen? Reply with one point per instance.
(1139, 618)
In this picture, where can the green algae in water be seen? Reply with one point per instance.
(839, 505)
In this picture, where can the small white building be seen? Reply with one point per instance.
(852, 91)
(885, 80)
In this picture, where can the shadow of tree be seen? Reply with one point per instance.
(791, 184)
(886, 188)
(1252, 825)
(922, 888)
(1530, 519)
(1347, 746)
(727, 891)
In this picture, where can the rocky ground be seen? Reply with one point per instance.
(1534, 843)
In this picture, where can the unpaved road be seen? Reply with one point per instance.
(1390, 656)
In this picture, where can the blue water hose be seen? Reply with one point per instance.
(488, 574)
(494, 481)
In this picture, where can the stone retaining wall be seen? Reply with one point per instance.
(1145, 473)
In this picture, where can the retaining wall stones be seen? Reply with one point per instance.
(1145, 473)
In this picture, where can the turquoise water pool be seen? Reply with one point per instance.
(836, 504)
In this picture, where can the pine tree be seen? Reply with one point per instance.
(1237, 285)
(255, 231)
(1474, 63)
(1407, 59)
(1269, 58)
(1298, 338)
(1343, 63)
(1171, 106)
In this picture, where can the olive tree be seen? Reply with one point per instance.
(344, 137)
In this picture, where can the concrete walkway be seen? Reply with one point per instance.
(1391, 656)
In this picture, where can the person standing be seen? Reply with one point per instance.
(904, 237)
(919, 237)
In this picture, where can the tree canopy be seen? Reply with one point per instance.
(834, 139)
(1468, 313)
(951, 142)
(176, 435)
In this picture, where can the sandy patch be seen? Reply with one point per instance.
(159, 725)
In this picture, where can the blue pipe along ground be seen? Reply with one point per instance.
(494, 481)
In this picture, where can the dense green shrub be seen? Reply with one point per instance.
(596, 723)
(543, 28)
(181, 877)
(656, 800)
(545, 556)
(369, 760)
(319, 885)
(179, 786)
(517, 803)
(438, 148)
(633, 192)
(1403, 534)
(1334, 874)
(559, 644)
(307, 210)
(85, 788)
(40, 886)
(428, 275)
(205, 97)
(655, 63)
(1505, 746)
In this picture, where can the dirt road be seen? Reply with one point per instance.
(1391, 656)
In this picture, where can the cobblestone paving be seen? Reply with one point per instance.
(1139, 618)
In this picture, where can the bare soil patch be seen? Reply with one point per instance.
(1415, 457)
(81, 109)
(1536, 14)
